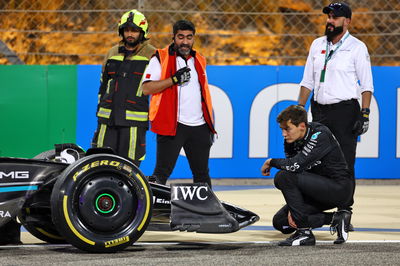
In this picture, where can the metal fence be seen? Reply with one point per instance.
(240, 32)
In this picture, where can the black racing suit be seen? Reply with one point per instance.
(349, 113)
(314, 178)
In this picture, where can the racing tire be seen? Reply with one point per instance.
(101, 203)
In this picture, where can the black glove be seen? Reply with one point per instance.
(361, 125)
(181, 76)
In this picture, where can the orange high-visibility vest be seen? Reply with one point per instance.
(163, 113)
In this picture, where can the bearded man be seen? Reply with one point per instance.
(180, 107)
(122, 111)
(338, 72)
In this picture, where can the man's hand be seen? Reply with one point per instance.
(362, 124)
(181, 76)
(265, 169)
(292, 223)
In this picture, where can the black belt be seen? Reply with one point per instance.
(334, 105)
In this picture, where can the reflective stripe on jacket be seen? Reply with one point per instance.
(121, 100)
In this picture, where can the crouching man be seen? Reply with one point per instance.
(313, 178)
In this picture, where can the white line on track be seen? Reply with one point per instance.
(256, 242)
(193, 243)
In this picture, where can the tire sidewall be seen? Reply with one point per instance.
(65, 195)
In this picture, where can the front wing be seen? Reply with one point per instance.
(195, 208)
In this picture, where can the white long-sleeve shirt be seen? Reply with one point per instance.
(348, 72)
(190, 111)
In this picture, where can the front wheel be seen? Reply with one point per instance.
(101, 203)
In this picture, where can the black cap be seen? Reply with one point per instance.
(339, 9)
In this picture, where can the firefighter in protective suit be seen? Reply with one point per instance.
(122, 110)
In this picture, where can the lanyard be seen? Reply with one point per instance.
(328, 56)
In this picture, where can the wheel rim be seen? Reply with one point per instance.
(106, 203)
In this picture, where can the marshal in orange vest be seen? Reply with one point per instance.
(164, 105)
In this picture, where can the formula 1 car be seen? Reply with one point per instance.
(100, 202)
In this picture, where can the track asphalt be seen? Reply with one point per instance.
(376, 240)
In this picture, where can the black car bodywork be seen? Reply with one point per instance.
(101, 202)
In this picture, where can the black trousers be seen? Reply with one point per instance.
(196, 142)
(307, 196)
(128, 142)
(340, 119)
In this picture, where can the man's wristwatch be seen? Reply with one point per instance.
(365, 111)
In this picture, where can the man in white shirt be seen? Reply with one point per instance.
(180, 107)
(338, 72)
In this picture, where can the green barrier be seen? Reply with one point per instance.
(37, 108)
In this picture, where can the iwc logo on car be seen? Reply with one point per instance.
(190, 192)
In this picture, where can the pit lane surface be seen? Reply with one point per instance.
(376, 240)
(209, 254)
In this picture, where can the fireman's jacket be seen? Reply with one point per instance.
(121, 100)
